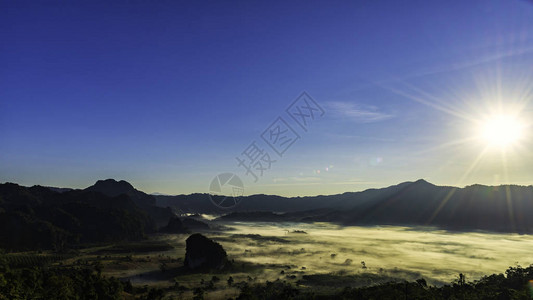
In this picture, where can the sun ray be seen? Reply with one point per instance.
(460, 181)
(437, 106)
(447, 145)
(508, 195)
(451, 110)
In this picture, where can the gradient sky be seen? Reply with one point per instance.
(166, 94)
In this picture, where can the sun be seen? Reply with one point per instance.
(501, 130)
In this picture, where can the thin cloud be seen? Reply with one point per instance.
(357, 112)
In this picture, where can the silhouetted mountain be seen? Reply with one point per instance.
(494, 208)
(39, 218)
(113, 188)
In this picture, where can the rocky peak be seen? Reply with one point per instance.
(203, 253)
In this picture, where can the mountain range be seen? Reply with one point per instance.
(504, 208)
(47, 217)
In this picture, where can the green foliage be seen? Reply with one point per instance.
(57, 283)
(512, 285)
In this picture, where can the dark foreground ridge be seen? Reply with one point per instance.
(515, 284)
(38, 218)
(44, 218)
(87, 282)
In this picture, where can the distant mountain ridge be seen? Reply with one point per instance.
(504, 208)
(200, 203)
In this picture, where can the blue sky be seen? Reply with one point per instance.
(166, 94)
